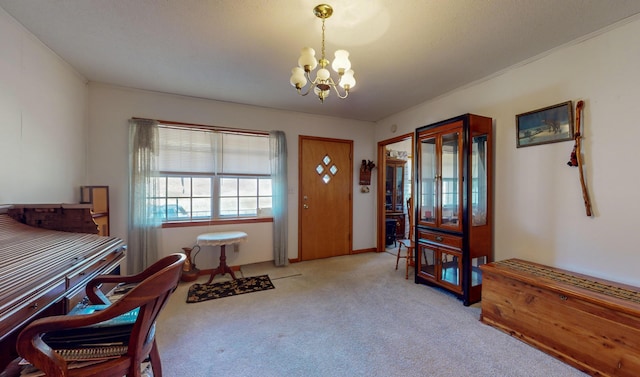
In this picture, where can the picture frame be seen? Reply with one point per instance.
(551, 124)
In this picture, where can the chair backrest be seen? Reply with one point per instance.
(151, 296)
(154, 287)
(410, 216)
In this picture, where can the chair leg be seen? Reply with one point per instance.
(409, 258)
(154, 355)
(398, 256)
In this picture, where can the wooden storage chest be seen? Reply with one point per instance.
(590, 323)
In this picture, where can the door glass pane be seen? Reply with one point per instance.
(427, 261)
(450, 271)
(479, 180)
(428, 168)
(450, 180)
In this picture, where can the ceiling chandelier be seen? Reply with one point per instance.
(323, 82)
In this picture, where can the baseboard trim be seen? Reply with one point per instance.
(360, 251)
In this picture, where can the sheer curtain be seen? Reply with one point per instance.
(278, 157)
(142, 244)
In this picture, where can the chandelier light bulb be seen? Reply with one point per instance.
(341, 62)
(297, 78)
(308, 58)
(347, 81)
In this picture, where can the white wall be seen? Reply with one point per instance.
(43, 104)
(110, 107)
(539, 210)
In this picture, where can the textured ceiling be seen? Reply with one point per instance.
(404, 52)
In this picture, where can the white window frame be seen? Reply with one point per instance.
(167, 215)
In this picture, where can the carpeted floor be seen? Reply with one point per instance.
(345, 316)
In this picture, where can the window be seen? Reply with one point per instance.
(212, 174)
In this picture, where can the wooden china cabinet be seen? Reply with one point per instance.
(454, 234)
(394, 195)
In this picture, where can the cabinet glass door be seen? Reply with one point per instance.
(450, 267)
(399, 183)
(389, 188)
(479, 180)
(450, 177)
(428, 185)
(427, 261)
(476, 273)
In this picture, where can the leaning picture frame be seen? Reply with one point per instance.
(550, 124)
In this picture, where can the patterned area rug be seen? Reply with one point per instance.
(203, 292)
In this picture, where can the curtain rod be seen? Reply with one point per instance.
(208, 127)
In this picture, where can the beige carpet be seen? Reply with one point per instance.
(267, 268)
(345, 316)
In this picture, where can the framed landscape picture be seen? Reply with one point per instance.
(547, 125)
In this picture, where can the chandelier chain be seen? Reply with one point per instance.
(323, 39)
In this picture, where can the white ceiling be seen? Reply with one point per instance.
(404, 52)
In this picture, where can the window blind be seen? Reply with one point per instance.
(212, 152)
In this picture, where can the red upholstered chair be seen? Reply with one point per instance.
(150, 294)
(408, 244)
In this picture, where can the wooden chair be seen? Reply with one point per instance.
(409, 243)
(154, 286)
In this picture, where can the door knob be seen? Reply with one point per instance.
(305, 206)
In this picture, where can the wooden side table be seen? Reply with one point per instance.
(221, 239)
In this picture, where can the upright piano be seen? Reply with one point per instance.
(47, 255)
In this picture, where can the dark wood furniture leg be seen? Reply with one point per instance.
(13, 369)
(222, 268)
